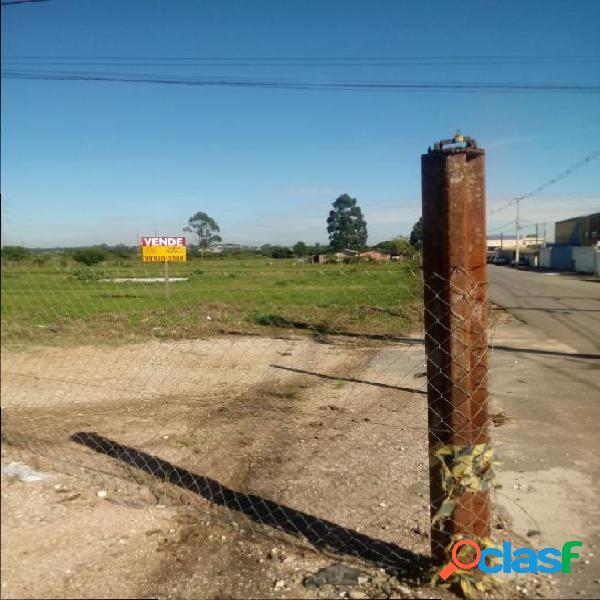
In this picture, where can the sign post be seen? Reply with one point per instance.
(167, 290)
(165, 249)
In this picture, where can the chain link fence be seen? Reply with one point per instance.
(278, 407)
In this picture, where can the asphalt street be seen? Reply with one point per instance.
(545, 377)
(563, 306)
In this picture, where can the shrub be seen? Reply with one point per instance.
(90, 256)
(15, 253)
(87, 274)
(271, 319)
(41, 259)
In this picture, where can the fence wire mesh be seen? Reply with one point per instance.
(266, 416)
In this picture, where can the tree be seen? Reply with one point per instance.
(122, 251)
(385, 245)
(205, 228)
(317, 248)
(90, 256)
(300, 249)
(41, 259)
(402, 246)
(416, 235)
(281, 252)
(398, 245)
(346, 225)
(15, 253)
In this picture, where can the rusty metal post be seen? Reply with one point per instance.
(454, 272)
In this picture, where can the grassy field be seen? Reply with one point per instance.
(54, 300)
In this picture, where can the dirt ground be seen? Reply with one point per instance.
(228, 467)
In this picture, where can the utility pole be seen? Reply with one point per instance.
(455, 309)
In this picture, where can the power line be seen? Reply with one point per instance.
(509, 87)
(562, 175)
(259, 63)
(501, 227)
(517, 201)
(11, 2)
(359, 60)
(256, 63)
(289, 61)
(510, 225)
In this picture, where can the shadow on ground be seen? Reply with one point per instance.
(320, 533)
(351, 380)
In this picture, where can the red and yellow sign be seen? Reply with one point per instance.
(163, 249)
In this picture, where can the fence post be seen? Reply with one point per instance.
(454, 274)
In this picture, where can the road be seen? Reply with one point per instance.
(545, 376)
(564, 307)
(548, 450)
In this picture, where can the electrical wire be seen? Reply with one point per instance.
(562, 175)
(11, 2)
(510, 226)
(502, 227)
(418, 60)
(299, 85)
(255, 64)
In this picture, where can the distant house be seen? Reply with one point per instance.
(376, 255)
(318, 259)
(349, 255)
(336, 257)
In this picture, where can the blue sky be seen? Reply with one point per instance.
(92, 162)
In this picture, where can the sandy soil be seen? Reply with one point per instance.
(232, 410)
(233, 467)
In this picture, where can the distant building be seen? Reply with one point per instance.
(350, 255)
(377, 255)
(219, 248)
(504, 242)
(578, 231)
(509, 242)
(576, 246)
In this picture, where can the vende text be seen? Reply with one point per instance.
(163, 241)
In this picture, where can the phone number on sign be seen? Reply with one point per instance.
(164, 258)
